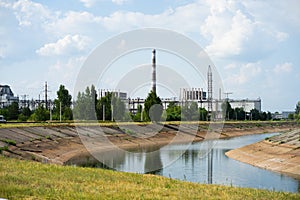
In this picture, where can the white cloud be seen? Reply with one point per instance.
(230, 66)
(277, 15)
(90, 3)
(228, 33)
(74, 23)
(66, 71)
(245, 73)
(119, 2)
(283, 68)
(2, 51)
(30, 13)
(183, 19)
(66, 45)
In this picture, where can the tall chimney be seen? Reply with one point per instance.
(153, 71)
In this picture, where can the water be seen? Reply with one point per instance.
(195, 165)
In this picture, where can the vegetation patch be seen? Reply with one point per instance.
(10, 142)
(32, 180)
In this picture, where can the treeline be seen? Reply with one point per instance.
(88, 106)
(60, 110)
(239, 113)
(297, 113)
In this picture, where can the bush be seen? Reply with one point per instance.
(40, 114)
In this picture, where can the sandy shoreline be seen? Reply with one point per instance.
(279, 153)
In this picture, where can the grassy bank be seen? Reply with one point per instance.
(31, 180)
(16, 124)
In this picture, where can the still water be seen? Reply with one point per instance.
(192, 163)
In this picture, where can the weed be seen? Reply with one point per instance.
(10, 142)
(5, 148)
(48, 137)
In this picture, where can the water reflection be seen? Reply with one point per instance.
(196, 165)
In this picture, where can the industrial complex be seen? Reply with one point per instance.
(202, 97)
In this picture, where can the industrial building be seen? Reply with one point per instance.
(119, 94)
(7, 96)
(203, 98)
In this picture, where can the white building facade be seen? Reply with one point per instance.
(7, 96)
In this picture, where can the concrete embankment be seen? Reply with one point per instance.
(279, 153)
(62, 144)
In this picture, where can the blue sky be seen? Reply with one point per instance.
(253, 44)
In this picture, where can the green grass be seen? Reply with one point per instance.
(10, 142)
(32, 180)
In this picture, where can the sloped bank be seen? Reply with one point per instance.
(62, 145)
(279, 153)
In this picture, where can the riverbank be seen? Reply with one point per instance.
(32, 180)
(60, 144)
(279, 153)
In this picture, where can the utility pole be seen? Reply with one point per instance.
(141, 114)
(46, 95)
(24, 99)
(103, 114)
(210, 91)
(112, 113)
(60, 111)
(227, 95)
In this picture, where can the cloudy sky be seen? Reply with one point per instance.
(253, 44)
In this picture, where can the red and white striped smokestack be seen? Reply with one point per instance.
(153, 71)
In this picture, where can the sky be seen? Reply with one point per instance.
(254, 45)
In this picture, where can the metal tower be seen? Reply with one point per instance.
(153, 71)
(209, 89)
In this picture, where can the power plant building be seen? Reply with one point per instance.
(7, 96)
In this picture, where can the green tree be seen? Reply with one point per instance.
(297, 111)
(263, 116)
(106, 103)
(255, 114)
(84, 108)
(239, 114)
(269, 116)
(153, 107)
(25, 114)
(110, 103)
(94, 95)
(118, 107)
(13, 111)
(4, 112)
(40, 114)
(291, 116)
(137, 117)
(190, 111)
(203, 114)
(173, 112)
(64, 100)
(227, 110)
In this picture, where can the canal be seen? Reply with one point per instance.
(206, 162)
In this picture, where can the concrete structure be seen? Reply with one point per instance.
(246, 104)
(192, 94)
(115, 93)
(153, 71)
(7, 96)
(283, 115)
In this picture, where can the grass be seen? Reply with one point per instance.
(109, 123)
(32, 180)
(10, 142)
